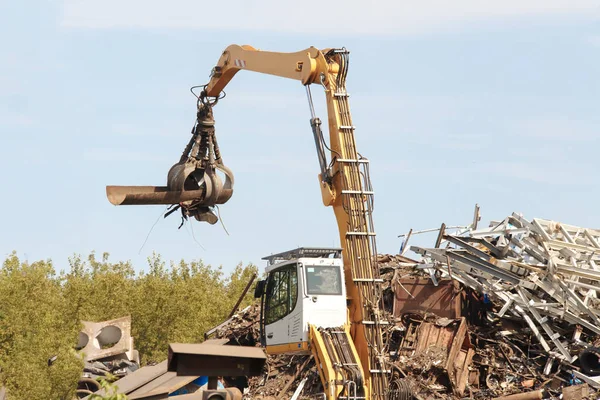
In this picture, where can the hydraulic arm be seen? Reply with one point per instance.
(194, 186)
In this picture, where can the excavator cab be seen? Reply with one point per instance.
(303, 286)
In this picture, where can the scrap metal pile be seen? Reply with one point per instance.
(490, 313)
(531, 290)
(507, 310)
(296, 377)
(282, 375)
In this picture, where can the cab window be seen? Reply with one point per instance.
(282, 293)
(323, 280)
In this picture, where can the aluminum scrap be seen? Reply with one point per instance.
(543, 272)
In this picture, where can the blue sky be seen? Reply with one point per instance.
(455, 103)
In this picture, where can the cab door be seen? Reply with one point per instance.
(281, 299)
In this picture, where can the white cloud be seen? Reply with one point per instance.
(389, 17)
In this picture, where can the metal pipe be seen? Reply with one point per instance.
(589, 359)
(140, 195)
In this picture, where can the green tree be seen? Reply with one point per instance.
(237, 282)
(180, 303)
(35, 327)
(41, 313)
(98, 290)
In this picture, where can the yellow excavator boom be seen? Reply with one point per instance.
(305, 66)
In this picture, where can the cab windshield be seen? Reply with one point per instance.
(323, 279)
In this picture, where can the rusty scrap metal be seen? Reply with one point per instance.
(149, 195)
(563, 285)
(215, 360)
(538, 284)
(444, 344)
(401, 389)
(577, 392)
(420, 295)
(243, 330)
(292, 379)
(497, 356)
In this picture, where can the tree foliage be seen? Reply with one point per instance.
(41, 312)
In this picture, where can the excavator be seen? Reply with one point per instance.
(324, 302)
